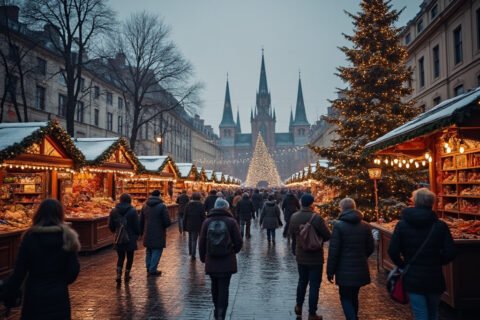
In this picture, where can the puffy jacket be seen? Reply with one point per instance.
(194, 216)
(154, 221)
(424, 275)
(350, 246)
(245, 209)
(270, 216)
(125, 210)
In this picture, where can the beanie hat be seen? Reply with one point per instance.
(221, 204)
(307, 200)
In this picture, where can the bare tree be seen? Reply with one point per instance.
(73, 24)
(151, 71)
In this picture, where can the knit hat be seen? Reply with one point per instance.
(307, 200)
(221, 204)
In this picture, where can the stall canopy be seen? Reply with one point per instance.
(459, 111)
(209, 175)
(187, 171)
(218, 177)
(159, 164)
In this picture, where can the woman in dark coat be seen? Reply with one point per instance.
(270, 218)
(423, 281)
(48, 260)
(124, 211)
(350, 246)
(290, 205)
(192, 222)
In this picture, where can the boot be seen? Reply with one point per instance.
(127, 275)
(119, 275)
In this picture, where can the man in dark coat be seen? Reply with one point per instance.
(245, 212)
(350, 246)
(182, 201)
(210, 200)
(192, 222)
(257, 200)
(290, 205)
(220, 268)
(154, 221)
(310, 263)
(270, 218)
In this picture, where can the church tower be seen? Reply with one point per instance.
(227, 126)
(300, 127)
(263, 119)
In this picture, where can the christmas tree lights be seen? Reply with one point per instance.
(262, 167)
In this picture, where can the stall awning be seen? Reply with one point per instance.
(449, 112)
(209, 174)
(186, 170)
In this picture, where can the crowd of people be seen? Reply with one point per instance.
(217, 225)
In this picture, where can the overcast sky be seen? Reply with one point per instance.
(220, 36)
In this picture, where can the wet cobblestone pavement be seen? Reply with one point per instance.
(264, 287)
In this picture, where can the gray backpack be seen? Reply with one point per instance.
(219, 242)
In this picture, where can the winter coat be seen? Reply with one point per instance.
(47, 259)
(225, 264)
(350, 246)
(270, 216)
(245, 209)
(314, 258)
(257, 200)
(125, 210)
(194, 216)
(425, 273)
(154, 221)
(210, 202)
(182, 202)
(290, 205)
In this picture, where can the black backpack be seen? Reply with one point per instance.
(219, 242)
(121, 235)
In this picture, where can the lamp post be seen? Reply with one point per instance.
(375, 174)
(159, 140)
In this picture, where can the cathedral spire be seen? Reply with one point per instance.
(238, 126)
(291, 118)
(262, 87)
(300, 114)
(227, 118)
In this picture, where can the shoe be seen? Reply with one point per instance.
(298, 310)
(156, 273)
(314, 317)
(193, 258)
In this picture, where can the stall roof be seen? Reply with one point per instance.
(449, 112)
(209, 174)
(185, 169)
(92, 148)
(153, 163)
(218, 176)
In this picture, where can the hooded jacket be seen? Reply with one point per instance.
(425, 273)
(350, 246)
(154, 221)
(49, 256)
(125, 210)
(270, 216)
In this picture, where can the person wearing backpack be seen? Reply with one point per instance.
(350, 246)
(124, 218)
(310, 263)
(270, 218)
(220, 241)
(154, 221)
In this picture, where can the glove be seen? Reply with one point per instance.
(330, 278)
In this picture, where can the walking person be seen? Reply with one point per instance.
(245, 212)
(270, 217)
(210, 200)
(154, 221)
(257, 200)
(290, 205)
(192, 222)
(421, 244)
(350, 246)
(182, 201)
(47, 261)
(220, 241)
(125, 215)
(310, 263)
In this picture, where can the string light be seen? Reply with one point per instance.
(262, 167)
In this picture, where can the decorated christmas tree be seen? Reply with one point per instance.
(262, 167)
(370, 106)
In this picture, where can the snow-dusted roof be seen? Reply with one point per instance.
(153, 163)
(92, 148)
(209, 174)
(443, 115)
(185, 169)
(11, 133)
(218, 176)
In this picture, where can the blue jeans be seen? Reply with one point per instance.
(424, 306)
(309, 275)
(152, 258)
(349, 300)
(271, 234)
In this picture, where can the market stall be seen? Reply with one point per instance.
(35, 159)
(209, 180)
(91, 191)
(446, 139)
(189, 178)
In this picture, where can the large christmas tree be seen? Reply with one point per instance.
(369, 107)
(262, 167)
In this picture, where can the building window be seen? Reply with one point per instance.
(109, 98)
(437, 100)
(434, 12)
(120, 103)
(40, 98)
(80, 110)
(62, 105)
(459, 90)
(120, 125)
(146, 131)
(82, 84)
(96, 117)
(96, 93)
(457, 43)
(420, 26)
(109, 121)
(41, 66)
(436, 61)
(421, 72)
(408, 38)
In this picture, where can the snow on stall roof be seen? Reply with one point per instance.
(184, 169)
(218, 175)
(92, 148)
(152, 163)
(209, 174)
(441, 111)
(11, 133)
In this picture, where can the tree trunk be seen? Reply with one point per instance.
(24, 97)
(136, 114)
(15, 106)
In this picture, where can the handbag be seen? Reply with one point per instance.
(308, 238)
(395, 284)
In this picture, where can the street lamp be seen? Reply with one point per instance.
(375, 174)
(159, 139)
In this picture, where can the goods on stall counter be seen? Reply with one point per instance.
(92, 208)
(15, 216)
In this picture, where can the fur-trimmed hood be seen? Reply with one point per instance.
(71, 242)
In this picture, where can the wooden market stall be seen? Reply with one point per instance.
(447, 140)
(92, 190)
(189, 178)
(209, 180)
(36, 158)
